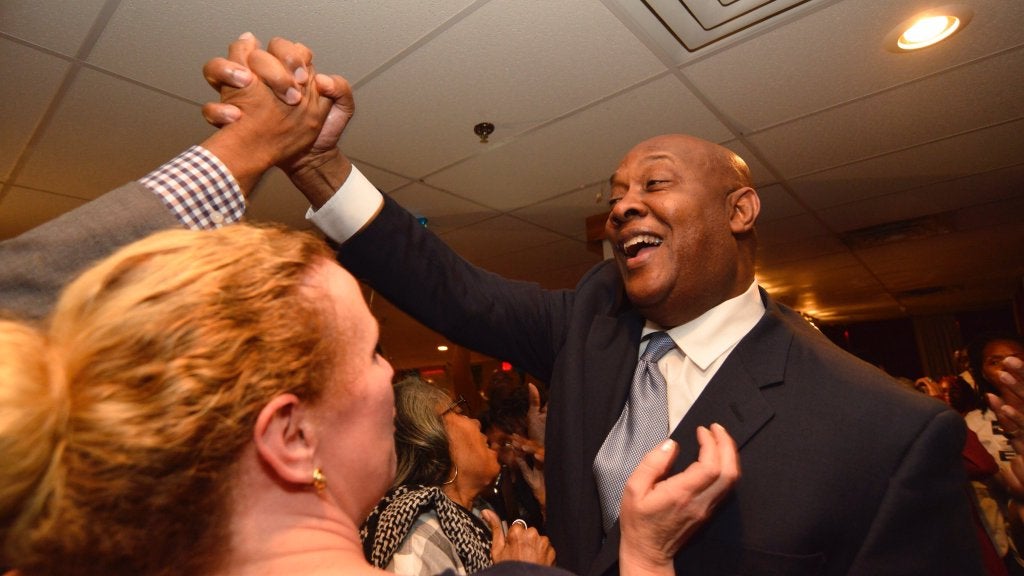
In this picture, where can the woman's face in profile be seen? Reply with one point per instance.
(470, 449)
(357, 411)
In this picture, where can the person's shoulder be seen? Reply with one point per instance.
(811, 345)
(850, 380)
(603, 273)
(601, 287)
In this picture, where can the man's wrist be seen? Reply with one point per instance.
(319, 177)
(243, 160)
(355, 203)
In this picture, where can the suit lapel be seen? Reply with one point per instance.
(733, 399)
(611, 355)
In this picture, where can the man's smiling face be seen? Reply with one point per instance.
(672, 227)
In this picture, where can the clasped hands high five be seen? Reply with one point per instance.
(279, 87)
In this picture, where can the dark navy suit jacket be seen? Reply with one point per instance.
(843, 470)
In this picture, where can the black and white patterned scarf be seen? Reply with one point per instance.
(390, 521)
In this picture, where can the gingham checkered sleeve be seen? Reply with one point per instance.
(198, 189)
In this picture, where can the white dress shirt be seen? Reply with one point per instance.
(351, 207)
(702, 345)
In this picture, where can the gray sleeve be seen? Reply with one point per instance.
(36, 265)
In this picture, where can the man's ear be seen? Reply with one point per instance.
(283, 440)
(744, 206)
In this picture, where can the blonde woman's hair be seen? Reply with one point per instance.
(126, 418)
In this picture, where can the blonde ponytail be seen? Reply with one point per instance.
(33, 418)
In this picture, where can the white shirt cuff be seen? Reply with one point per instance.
(351, 208)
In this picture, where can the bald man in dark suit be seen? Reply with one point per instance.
(845, 472)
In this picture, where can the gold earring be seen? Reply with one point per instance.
(319, 480)
(454, 476)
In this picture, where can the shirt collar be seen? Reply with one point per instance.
(711, 334)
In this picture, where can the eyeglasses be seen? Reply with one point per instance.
(458, 406)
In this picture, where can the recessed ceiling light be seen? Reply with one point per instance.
(927, 28)
(442, 348)
(928, 31)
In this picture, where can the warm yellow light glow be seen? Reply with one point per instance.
(928, 31)
(442, 348)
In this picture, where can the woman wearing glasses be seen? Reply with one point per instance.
(427, 523)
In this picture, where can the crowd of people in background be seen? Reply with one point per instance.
(988, 451)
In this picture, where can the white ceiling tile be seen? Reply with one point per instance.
(580, 150)
(971, 203)
(975, 189)
(770, 257)
(931, 261)
(351, 38)
(1005, 212)
(760, 173)
(990, 149)
(983, 93)
(444, 212)
(777, 203)
(836, 54)
(108, 132)
(789, 229)
(539, 263)
(22, 209)
(496, 237)
(875, 211)
(485, 69)
(59, 25)
(818, 284)
(24, 100)
(567, 213)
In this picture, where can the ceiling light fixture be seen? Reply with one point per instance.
(927, 28)
(928, 31)
(442, 348)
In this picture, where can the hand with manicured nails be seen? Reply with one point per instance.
(316, 166)
(659, 513)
